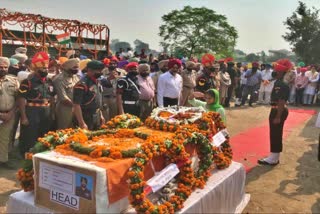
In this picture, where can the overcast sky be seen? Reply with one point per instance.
(259, 22)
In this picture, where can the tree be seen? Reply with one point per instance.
(139, 45)
(116, 44)
(304, 33)
(194, 31)
(252, 57)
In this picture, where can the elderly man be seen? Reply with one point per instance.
(163, 66)
(87, 97)
(35, 99)
(253, 83)
(170, 85)
(128, 91)
(147, 89)
(189, 76)
(63, 84)
(8, 91)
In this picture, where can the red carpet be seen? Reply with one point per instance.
(253, 144)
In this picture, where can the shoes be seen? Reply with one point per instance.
(263, 162)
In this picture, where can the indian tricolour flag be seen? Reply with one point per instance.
(63, 38)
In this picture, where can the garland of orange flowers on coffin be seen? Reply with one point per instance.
(175, 153)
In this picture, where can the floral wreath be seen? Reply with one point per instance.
(175, 153)
(123, 121)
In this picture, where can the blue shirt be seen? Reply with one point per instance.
(255, 79)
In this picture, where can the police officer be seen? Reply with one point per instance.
(128, 91)
(63, 84)
(35, 98)
(87, 97)
(206, 80)
(279, 113)
(9, 86)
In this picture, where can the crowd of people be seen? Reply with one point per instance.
(48, 93)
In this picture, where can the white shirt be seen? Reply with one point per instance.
(169, 86)
(266, 74)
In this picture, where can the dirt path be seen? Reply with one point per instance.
(292, 186)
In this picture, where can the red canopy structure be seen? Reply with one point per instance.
(39, 32)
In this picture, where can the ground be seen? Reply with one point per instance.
(291, 187)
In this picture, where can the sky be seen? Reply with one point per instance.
(259, 22)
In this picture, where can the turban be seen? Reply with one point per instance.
(221, 60)
(132, 65)
(62, 60)
(144, 67)
(95, 65)
(21, 50)
(83, 63)
(303, 69)
(163, 63)
(207, 59)
(134, 59)
(70, 63)
(173, 62)
(229, 59)
(40, 60)
(122, 64)
(13, 62)
(4, 60)
(255, 64)
(106, 61)
(190, 64)
(283, 65)
(21, 57)
(301, 64)
(70, 53)
(114, 58)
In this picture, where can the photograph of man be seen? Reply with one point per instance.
(82, 190)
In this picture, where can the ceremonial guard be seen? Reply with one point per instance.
(9, 86)
(63, 84)
(35, 99)
(279, 112)
(87, 97)
(128, 91)
(207, 79)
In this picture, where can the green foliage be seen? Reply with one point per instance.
(116, 44)
(194, 31)
(304, 33)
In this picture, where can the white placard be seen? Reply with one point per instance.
(164, 176)
(318, 121)
(218, 139)
(56, 177)
(64, 199)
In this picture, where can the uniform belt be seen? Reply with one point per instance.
(277, 107)
(38, 104)
(109, 96)
(128, 102)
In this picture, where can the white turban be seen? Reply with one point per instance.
(21, 50)
(20, 57)
(5, 60)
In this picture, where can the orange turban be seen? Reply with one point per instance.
(40, 60)
(283, 65)
(62, 60)
(106, 61)
(207, 59)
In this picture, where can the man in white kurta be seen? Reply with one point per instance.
(170, 85)
(310, 90)
(266, 85)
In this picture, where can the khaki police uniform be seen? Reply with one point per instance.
(110, 109)
(9, 86)
(63, 84)
(189, 83)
